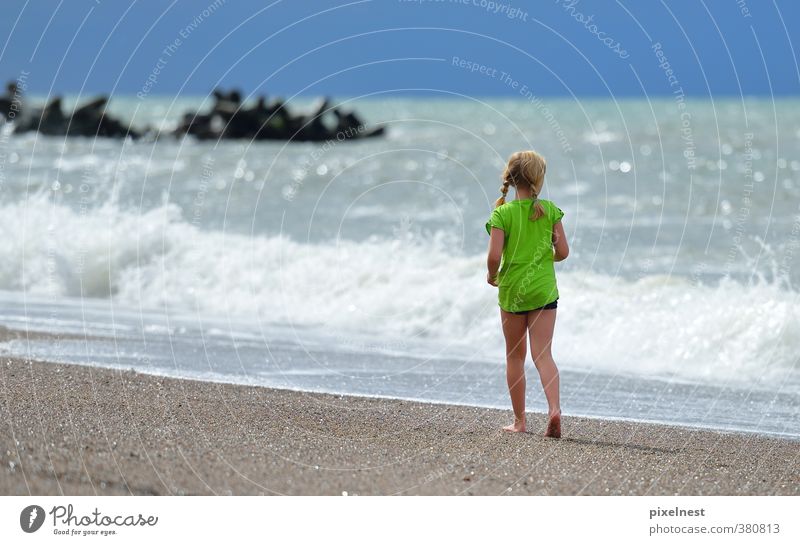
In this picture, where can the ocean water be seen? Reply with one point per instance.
(358, 267)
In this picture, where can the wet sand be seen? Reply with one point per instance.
(80, 430)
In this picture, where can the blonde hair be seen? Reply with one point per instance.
(527, 167)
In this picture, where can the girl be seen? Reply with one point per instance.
(526, 237)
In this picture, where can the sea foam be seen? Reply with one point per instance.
(656, 325)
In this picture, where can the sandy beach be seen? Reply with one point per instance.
(80, 430)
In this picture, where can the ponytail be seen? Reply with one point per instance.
(537, 210)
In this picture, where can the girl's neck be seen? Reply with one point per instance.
(524, 193)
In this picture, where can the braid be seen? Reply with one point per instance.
(503, 191)
(508, 180)
(537, 210)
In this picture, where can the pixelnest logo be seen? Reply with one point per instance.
(31, 518)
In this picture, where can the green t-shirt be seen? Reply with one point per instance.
(527, 278)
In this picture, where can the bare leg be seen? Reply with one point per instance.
(540, 325)
(514, 329)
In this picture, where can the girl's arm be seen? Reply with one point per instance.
(496, 240)
(560, 242)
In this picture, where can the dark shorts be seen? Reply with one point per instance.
(548, 306)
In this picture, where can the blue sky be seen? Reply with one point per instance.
(714, 47)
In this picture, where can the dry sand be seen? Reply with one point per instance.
(80, 430)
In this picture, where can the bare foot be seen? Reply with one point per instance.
(517, 427)
(554, 426)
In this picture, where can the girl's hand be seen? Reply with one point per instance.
(492, 280)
